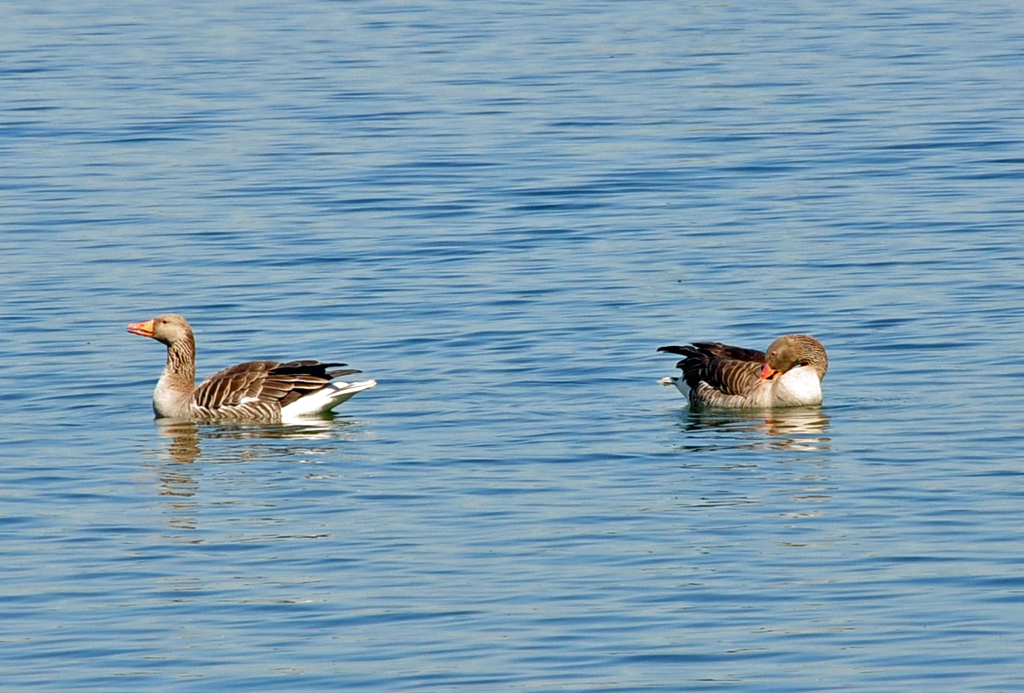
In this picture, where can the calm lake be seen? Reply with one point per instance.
(499, 211)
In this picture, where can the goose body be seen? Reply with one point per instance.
(717, 375)
(266, 391)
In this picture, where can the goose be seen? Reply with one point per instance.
(263, 391)
(718, 375)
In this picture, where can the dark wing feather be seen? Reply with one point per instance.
(315, 369)
(290, 381)
(728, 369)
(724, 351)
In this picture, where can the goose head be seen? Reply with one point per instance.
(168, 329)
(794, 351)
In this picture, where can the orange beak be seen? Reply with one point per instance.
(144, 329)
(767, 373)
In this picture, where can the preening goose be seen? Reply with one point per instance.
(267, 391)
(718, 375)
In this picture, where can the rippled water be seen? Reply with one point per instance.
(499, 211)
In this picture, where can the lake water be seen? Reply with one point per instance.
(500, 211)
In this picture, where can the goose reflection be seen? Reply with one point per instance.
(186, 439)
(185, 436)
(797, 428)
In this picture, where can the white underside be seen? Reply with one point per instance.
(797, 387)
(323, 400)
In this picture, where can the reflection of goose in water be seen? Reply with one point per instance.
(186, 437)
(794, 428)
(190, 452)
(267, 391)
(718, 375)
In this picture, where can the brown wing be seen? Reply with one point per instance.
(727, 369)
(729, 376)
(227, 388)
(290, 381)
(264, 385)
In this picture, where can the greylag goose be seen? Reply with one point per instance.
(718, 375)
(267, 391)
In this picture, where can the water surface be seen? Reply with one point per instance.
(499, 212)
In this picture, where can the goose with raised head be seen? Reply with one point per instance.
(264, 391)
(789, 374)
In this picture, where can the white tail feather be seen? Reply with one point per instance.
(324, 400)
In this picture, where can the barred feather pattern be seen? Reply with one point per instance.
(716, 373)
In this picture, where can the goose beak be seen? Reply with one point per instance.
(144, 329)
(767, 373)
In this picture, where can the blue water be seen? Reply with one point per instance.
(499, 211)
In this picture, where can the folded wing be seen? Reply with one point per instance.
(257, 389)
(725, 369)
